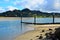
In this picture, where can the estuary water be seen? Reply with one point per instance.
(11, 27)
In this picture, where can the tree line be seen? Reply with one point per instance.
(27, 13)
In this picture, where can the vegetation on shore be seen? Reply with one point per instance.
(27, 13)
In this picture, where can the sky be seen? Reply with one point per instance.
(42, 5)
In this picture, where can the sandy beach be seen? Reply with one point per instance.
(13, 18)
(31, 35)
(9, 18)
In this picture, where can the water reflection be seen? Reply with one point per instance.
(13, 28)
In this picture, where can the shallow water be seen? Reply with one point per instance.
(43, 20)
(12, 28)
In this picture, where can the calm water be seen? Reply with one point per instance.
(43, 20)
(11, 29)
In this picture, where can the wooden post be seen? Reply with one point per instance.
(53, 17)
(21, 18)
(34, 19)
(21, 22)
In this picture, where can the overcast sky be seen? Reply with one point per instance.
(43, 5)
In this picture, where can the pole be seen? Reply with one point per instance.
(21, 18)
(21, 22)
(34, 19)
(53, 17)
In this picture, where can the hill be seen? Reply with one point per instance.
(27, 13)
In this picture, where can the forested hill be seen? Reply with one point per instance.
(27, 13)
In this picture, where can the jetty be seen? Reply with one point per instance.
(39, 23)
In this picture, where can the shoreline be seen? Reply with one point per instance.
(13, 18)
(36, 32)
(9, 18)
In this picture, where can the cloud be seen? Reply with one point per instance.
(31, 4)
(11, 8)
(2, 10)
(57, 4)
(16, 2)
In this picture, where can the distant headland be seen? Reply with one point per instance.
(27, 13)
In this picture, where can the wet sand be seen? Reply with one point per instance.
(31, 35)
